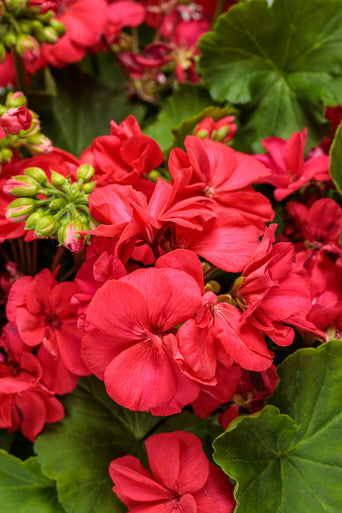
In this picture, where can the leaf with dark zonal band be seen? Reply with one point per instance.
(76, 452)
(284, 62)
(288, 457)
(23, 487)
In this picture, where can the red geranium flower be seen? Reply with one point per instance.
(182, 481)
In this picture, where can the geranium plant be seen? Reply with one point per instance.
(171, 265)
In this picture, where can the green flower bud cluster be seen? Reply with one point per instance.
(57, 209)
(25, 28)
(34, 141)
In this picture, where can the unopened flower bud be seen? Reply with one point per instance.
(5, 155)
(37, 174)
(9, 39)
(19, 209)
(45, 226)
(16, 99)
(39, 143)
(220, 134)
(32, 219)
(16, 6)
(85, 172)
(154, 175)
(89, 187)
(27, 46)
(21, 186)
(202, 134)
(57, 26)
(57, 179)
(49, 35)
(16, 119)
(68, 236)
(36, 25)
(25, 27)
(56, 204)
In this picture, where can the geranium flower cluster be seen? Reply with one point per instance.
(112, 26)
(182, 296)
(20, 127)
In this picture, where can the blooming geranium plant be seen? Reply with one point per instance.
(171, 265)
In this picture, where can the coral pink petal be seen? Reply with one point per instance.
(99, 349)
(132, 480)
(217, 493)
(172, 295)
(120, 310)
(191, 464)
(69, 346)
(141, 377)
(184, 260)
(33, 413)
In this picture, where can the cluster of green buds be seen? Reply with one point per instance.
(59, 209)
(19, 127)
(25, 27)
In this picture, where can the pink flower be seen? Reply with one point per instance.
(85, 21)
(120, 14)
(182, 481)
(273, 289)
(135, 318)
(125, 156)
(222, 130)
(41, 310)
(319, 227)
(14, 120)
(289, 171)
(25, 403)
(224, 175)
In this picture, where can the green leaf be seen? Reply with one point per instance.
(6, 439)
(23, 487)
(83, 108)
(283, 62)
(77, 451)
(181, 113)
(291, 460)
(336, 160)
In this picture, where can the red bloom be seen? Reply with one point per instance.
(289, 171)
(319, 227)
(273, 289)
(120, 14)
(41, 310)
(222, 130)
(125, 156)
(182, 481)
(85, 21)
(14, 120)
(224, 175)
(25, 403)
(134, 317)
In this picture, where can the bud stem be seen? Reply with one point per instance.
(20, 70)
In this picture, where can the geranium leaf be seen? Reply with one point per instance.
(336, 160)
(282, 61)
(23, 487)
(289, 456)
(185, 108)
(76, 452)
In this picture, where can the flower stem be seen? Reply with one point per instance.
(20, 70)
